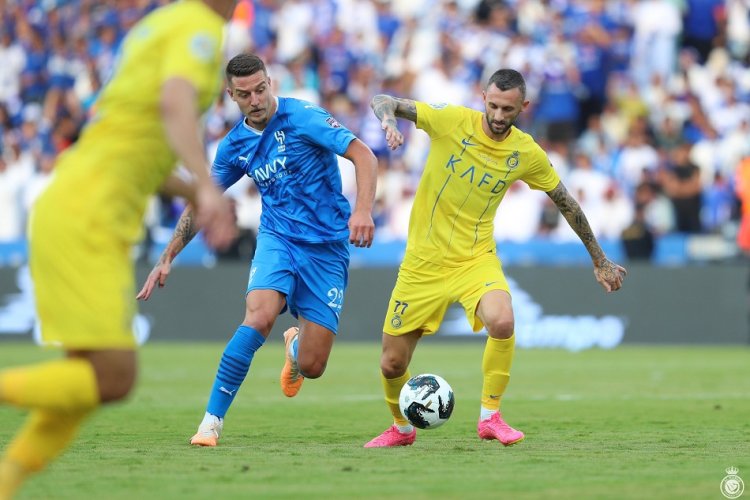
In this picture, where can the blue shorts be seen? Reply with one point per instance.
(313, 276)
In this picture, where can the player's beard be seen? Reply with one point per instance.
(257, 117)
(499, 127)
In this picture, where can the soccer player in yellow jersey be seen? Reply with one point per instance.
(450, 252)
(84, 225)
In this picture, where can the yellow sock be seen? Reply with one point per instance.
(496, 363)
(65, 385)
(392, 388)
(41, 439)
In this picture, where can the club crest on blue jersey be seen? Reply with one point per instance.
(280, 136)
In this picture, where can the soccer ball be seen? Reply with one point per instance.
(426, 401)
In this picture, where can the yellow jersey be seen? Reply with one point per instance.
(123, 156)
(465, 178)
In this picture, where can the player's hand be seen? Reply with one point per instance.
(610, 275)
(393, 137)
(157, 276)
(216, 216)
(361, 229)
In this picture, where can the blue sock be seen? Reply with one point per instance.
(235, 362)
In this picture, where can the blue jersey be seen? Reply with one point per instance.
(293, 162)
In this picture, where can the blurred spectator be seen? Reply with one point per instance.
(37, 181)
(398, 226)
(682, 184)
(557, 110)
(657, 24)
(520, 199)
(592, 42)
(738, 28)
(11, 185)
(293, 24)
(614, 214)
(658, 212)
(34, 74)
(637, 238)
(638, 159)
(13, 62)
(584, 178)
(719, 204)
(704, 20)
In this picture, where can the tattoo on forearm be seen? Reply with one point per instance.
(571, 210)
(183, 233)
(406, 109)
(385, 107)
(185, 228)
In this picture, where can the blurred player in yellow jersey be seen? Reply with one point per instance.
(450, 253)
(84, 225)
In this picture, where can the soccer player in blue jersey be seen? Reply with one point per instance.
(451, 254)
(289, 148)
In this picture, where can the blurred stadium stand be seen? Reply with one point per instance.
(644, 108)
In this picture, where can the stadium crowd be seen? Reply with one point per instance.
(643, 105)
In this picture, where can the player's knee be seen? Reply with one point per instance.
(393, 366)
(259, 322)
(116, 387)
(115, 373)
(500, 328)
(312, 369)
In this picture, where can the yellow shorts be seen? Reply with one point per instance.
(424, 291)
(83, 276)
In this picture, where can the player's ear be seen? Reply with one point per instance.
(229, 92)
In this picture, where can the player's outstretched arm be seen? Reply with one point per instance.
(387, 109)
(607, 273)
(180, 113)
(175, 186)
(361, 225)
(184, 232)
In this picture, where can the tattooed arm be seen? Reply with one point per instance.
(184, 232)
(387, 109)
(607, 273)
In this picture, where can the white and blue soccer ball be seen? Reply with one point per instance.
(426, 401)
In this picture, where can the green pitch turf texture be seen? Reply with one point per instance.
(635, 422)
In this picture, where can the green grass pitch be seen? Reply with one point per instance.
(634, 422)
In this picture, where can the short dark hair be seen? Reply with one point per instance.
(244, 64)
(506, 79)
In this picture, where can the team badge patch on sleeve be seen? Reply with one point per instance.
(437, 105)
(202, 47)
(332, 122)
